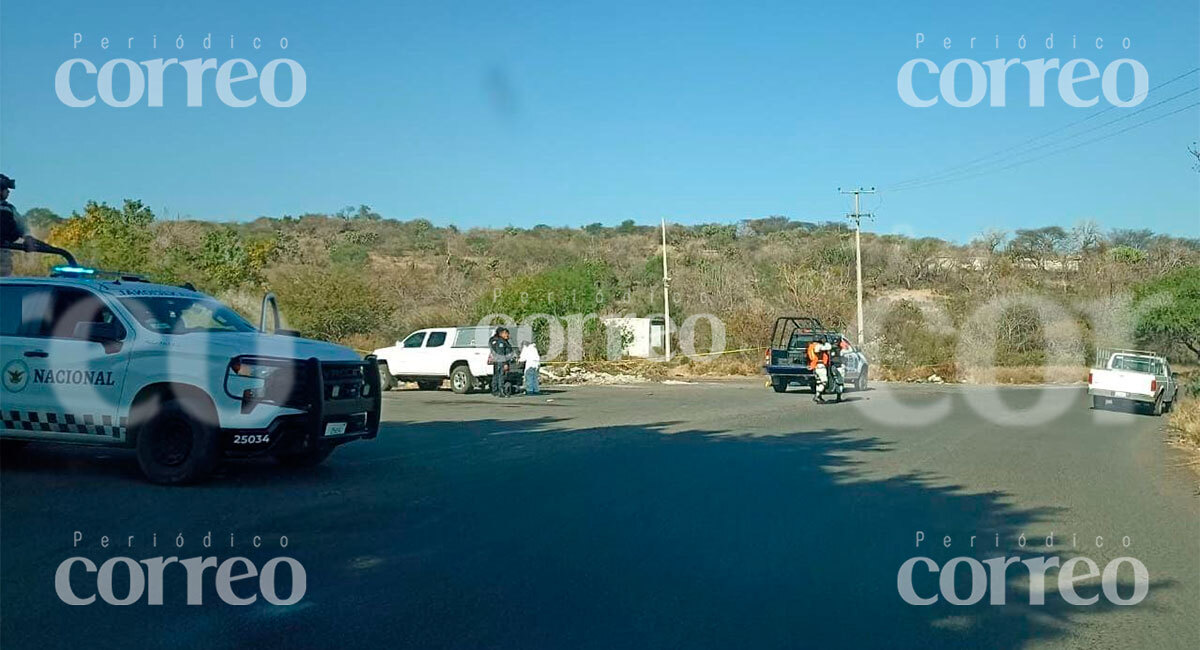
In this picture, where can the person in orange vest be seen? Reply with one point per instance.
(818, 362)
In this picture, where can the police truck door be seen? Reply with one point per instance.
(57, 383)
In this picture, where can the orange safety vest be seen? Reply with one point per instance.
(815, 358)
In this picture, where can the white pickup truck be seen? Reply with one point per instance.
(1132, 377)
(432, 355)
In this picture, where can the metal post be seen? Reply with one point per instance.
(858, 268)
(666, 295)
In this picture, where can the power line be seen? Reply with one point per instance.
(955, 169)
(1051, 143)
(1018, 163)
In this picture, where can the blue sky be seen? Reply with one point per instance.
(477, 113)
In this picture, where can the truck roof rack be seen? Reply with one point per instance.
(1112, 351)
(786, 326)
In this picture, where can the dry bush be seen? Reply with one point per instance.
(1025, 375)
(740, 364)
(1185, 421)
(946, 371)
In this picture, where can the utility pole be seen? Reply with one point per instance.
(666, 296)
(857, 217)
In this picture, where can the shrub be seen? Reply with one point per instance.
(104, 236)
(332, 304)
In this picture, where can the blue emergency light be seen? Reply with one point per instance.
(74, 270)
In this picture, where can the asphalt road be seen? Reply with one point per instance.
(714, 515)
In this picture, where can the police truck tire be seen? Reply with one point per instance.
(461, 380)
(310, 457)
(780, 386)
(176, 444)
(861, 382)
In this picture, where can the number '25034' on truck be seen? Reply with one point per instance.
(1132, 378)
(173, 374)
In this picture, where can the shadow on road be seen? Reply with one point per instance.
(527, 534)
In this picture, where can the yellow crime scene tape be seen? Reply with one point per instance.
(628, 360)
(708, 354)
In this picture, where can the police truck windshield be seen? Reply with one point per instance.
(183, 315)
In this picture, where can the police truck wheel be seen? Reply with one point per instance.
(310, 457)
(175, 445)
(861, 382)
(461, 380)
(779, 386)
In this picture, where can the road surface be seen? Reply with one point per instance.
(709, 515)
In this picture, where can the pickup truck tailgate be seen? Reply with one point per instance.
(1123, 381)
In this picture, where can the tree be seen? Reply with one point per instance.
(1039, 244)
(990, 241)
(41, 220)
(768, 225)
(114, 239)
(367, 214)
(224, 260)
(577, 288)
(1170, 310)
(1085, 237)
(1133, 238)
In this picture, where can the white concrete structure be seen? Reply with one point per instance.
(646, 334)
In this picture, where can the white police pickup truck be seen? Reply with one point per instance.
(172, 373)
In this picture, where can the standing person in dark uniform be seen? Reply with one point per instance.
(502, 354)
(11, 228)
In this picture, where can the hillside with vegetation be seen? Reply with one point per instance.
(362, 279)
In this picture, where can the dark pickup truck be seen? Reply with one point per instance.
(787, 359)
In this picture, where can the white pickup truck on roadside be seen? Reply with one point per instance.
(429, 356)
(1132, 377)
